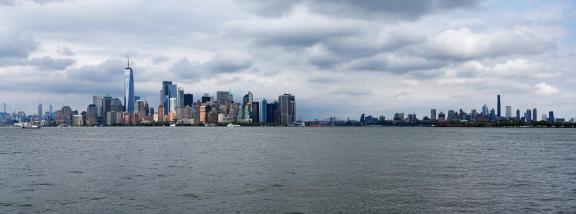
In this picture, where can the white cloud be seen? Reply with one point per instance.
(463, 43)
(546, 89)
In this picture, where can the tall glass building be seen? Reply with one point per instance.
(129, 89)
(263, 111)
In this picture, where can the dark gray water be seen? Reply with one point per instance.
(285, 170)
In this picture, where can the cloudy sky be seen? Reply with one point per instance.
(339, 57)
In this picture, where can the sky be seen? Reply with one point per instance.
(338, 57)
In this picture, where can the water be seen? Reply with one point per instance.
(287, 170)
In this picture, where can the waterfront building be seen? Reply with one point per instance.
(206, 98)
(247, 100)
(202, 114)
(441, 116)
(255, 114)
(534, 114)
(168, 91)
(485, 111)
(171, 117)
(66, 115)
(160, 113)
(528, 116)
(508, 112)
(263, 111)
(77, 120)
(433, 115)
(180, 98)
(129, 97)
(92, 115)
(452, 115)
(287, 109)
(97, 101)
(188, 100)
(172, 104)
(498, 107)
(518, 114)
(551, 117)
(40, 111)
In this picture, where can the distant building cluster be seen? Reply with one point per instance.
(176, 108)
(484, 117)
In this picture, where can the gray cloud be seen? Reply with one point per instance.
(407, 9)
(395, 64)
(15, 47)
(352, 91)
(65, 51)
(16, 2)
(108, 71)
(222, 63)
(49, 63)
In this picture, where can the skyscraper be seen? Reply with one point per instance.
(528, 116)
(50, 112)
(180, 98)
(188, 99)
(221, 97)
(508, 112)
(499, 107)
(40, 110)
(518, 114)
(168, 91)
(247, 100)
(255, 113)
(172, 105)
(206, 98)
(551, 117)
(106, 107)
(91, 115)
(287, 109)
(97, 101)
(129, 88)
(433, 114)
(263, 111)
(485, 111)
(534, 114)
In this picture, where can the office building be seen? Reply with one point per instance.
(551, 117)
(508, 112)
(534, 114)
(255, 113)
(263, 111)
(287, 109)
(77, 120)
(168, 91)
(188, 100)
(498, 108)
(97, 101)
(92, 115)
(433, 114)
(129, 97)
(40, 110)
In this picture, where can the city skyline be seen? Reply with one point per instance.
(341, 58)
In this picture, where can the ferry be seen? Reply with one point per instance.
(30, 126)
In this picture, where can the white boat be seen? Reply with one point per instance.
(232, 125)
(30, 126)
(173, 125)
